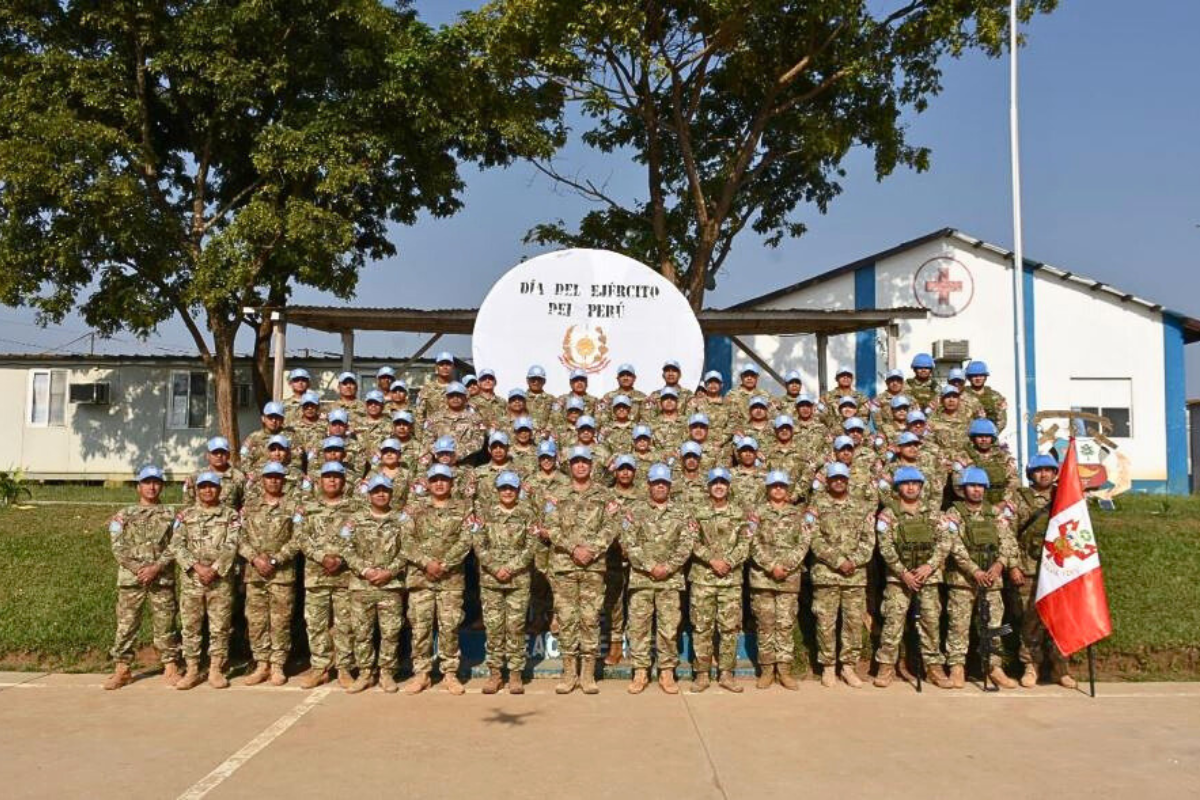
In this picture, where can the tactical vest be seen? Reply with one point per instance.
(914, 538)
(1034, 535)
(997, 475)
(981, 535)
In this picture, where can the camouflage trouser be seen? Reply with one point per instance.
(577, 600)
(852, 601)
(541, 598)
(504, 621)
(330, 627)
(717, 607)
(269, 621)
(1036, 645)
(130, 602)
(616, 578)
(654, 614)
(367, 607)
(195, 603)
(774, 620)
(423, 606)
(897, 599)
(960, 611)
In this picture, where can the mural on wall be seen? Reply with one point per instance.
(944, 286)
(1104, 469)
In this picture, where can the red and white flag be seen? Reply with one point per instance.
(1070, 594)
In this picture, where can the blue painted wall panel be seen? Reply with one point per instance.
(1176, 405)
(865, 353)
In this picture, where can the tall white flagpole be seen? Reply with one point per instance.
(1018, 245)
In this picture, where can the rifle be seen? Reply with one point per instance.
(984, 606)
(914, 617)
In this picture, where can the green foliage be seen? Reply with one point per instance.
(738, 110)
(12, 487)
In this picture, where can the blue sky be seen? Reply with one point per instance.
(1110, 118)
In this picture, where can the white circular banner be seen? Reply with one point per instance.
(586, 309)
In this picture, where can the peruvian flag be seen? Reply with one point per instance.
(1070, 594)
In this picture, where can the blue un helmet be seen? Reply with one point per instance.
(498, 438)
(698, 419)
(374, 396)
(390, 443)
(893, 375)
(149, 473)
(454, 387)
(513, 394)
(580, 452)
(668, 391)
(403, 415)
(627, 369)
(922, 361)
(659, 473)
(758, 400)
(218, 443)
(842, 442)
(586, 421)
(908, 475)
(625, 462)
(642, 432)
(749, 369)
(977, 368)
(719, 474)
(299, 375)
(310, 398)
(273, 468)
(547, 449)
(439, 471)
(509, 479)
(379, 482)
(444, 357)
(777, 477)
(279, 440)
(622, 400)
(333, 468)
(836, 469)
(784, 421)
(444, 444)
(333, 443)
(907, 438)
(339, 415)
(982, 427)
(1041, 461)
(854, 424)
(900, 401)
(747, 443)
(208, 477)
(974, 476)
(713, 375)
(691, 448)
(536, 371)
(523, 424)
(273, 409)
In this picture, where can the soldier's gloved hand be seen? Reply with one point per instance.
(910, 580)
(846, 567)
(1016, 576)
(982, 578)
(779, 573)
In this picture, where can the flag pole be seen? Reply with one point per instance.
(1091, 670)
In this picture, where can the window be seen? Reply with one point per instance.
(189, 400)
(47, 398)
(1111, 398)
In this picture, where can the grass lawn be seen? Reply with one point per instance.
(57, 589)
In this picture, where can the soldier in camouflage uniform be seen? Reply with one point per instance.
(983, 545)
(618, 427)
(504, 545)
(457, 420)
(723, 532)
(308, 429)
(700, 435)
(318, 526)
(586, 434)
(578, 520)
(254, 447)
(445, 452)
(911, 452)
(844, 388)
(392, 465)
(397, 399)
(547, 479)
(793, 387)
(890, 424)
(626, 376)
(384, 378)
(352, 456)
(578, 381)
(982, 400)
(717, 408)
(756, 423)
(564, 421)
(782, 451)
(810, 435)
(539, 402)
(516, 408)
(432, 396)
(269, 548)
(922, 387)
(233, 480)
(658, 538)
(524, 449)
(778, 546)
(376, 564)
(993, 458)
(296, 484)
(405, 431)
(914, 545)
(140, 538)
(437, 531)
(670, 426)
(374, 426)
(949, 423)
(485, 474)
(671, 373)
(1032, 514)
(739, 396)
(347, 400)
(746, 482)
(845, 409)
(299, 381)
(491, 409)
(843, 542)
(205, 544)
(616, 567)
(880, 405)
(690, 487)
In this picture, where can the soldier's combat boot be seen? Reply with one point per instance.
(1063, 678)
(766, 676)
(171, 673)
(262, 670)
(192, 678)
(345, 679)
(958, 676)
(570, 676)
(850, 676)
(515, 684)
(417, 684)
(729, 683)
(639, 682)
(829, 676)
(121, 676)
(453, 685)
(314, 678)
(363, 682)
(387, 682)
(1030, 676)
(701, 680)
(493, 682)
(1001, 679)
(783, 674)
(587, 675)
(278, 676)
(666, 681)
(937, 677)
(613, 657)
(216, 675)
(884, 677)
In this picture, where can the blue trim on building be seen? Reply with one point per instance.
(718, 355)
(864, 341)
(1031, 404)
(1176, 405)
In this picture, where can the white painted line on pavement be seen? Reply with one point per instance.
(252, 748)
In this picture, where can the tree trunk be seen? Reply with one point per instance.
(262, 374)
(222, 372)
(698, 271)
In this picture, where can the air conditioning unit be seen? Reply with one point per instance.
(952, 350)
(95, 394)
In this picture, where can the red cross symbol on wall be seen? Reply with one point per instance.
(943, 286)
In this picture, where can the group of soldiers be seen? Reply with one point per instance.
(582, 513)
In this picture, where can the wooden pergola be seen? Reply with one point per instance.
(733, 323)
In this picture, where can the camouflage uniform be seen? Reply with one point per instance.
(254, 450)
(466, 426)
(431, 399)
(541, 598)
(690, 491)
(618, 437)
(840, 531)
(371, 432)
(616, 569)
(924, 394)
(637, 400)
(296, 486)
(492, 410)
(746, 487)
(739, 399)
(141, 535)
(986, 403)
(507, 539)
(400, 478)
(950, 430)
(1001, 470)
(484, 477)
(720, 417)
(716, 601)
(355, 409)
(267, 529)
(810, 438)
(293, 410)
(306, 437)
(778, 539)
(559, 408)
(980, 537)
(1036, 644)
(233, 488)
(908, 540)
(374, 541)
(523, 460)
(540, 406)
(207, 536)
(318, 526)
(649, 410)
(578, 517)
(652, 535)
(830, 400)
(432, 533)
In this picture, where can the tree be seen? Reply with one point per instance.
(738, 111)
(194, 158)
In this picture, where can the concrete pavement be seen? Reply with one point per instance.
(63, 736)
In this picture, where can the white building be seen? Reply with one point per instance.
(1087, 346)
(100, 417)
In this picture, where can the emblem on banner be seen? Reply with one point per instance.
(1071, 542)
(585, 348)
(944, 286)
